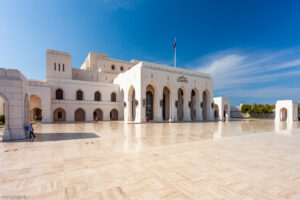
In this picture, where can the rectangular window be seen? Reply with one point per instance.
(54, 66)
(59, 67)
(63, 67)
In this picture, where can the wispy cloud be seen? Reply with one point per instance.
(119, 4)
(254, 74)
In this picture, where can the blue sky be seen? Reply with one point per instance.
(250, 47)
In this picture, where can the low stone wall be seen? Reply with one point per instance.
(238, 114)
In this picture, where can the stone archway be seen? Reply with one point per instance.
(79, 115)
(205, 105)
(226, 112)
(166, 107)
(216, 112)
(283, 114)
(4, 132)
(98, 115)
(114, 114)
(150, 102)
(59, 115)
(131, 104)
(36, 113)
(180, 103)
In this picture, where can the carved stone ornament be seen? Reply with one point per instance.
(182, 79)
(144, 102)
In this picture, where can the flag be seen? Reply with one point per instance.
(175, 45)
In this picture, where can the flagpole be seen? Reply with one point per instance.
(175, 54)
(175, 58)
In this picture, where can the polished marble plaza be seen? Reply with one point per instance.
(250, 159)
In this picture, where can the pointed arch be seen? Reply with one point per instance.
(114, 114)
(79, 95)
(98, 114)
(97, 96)
(59, 94)
(180, 103)
(150, 101)
(283, 114)
(59, 115)
(194, 104)
(79, 115)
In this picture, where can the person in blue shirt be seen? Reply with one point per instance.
(30, 129)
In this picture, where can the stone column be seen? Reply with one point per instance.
(173, 106)
(158, 108)
(186, 108)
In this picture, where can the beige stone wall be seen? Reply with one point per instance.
(55, 60)
(2, 108)
(88, 104)
(101, 62)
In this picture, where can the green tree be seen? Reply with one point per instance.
(246, 108)
(268, 108)
(255, 108)
(260, 108)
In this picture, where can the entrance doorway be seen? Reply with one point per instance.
(98, 115)
(113, 114)
(79, 115)
(193, 105)
(283, 114)
(150, 94)
(166, 104)
(180, 105)
(59, 115)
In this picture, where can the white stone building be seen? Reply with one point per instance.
(286, 110)
(107, 89)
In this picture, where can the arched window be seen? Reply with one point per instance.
(122, 68)
(112, 67)
(113, 97)
(97, 96)
(59, 94)
(79, 95)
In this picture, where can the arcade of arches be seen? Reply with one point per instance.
(151, 105)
